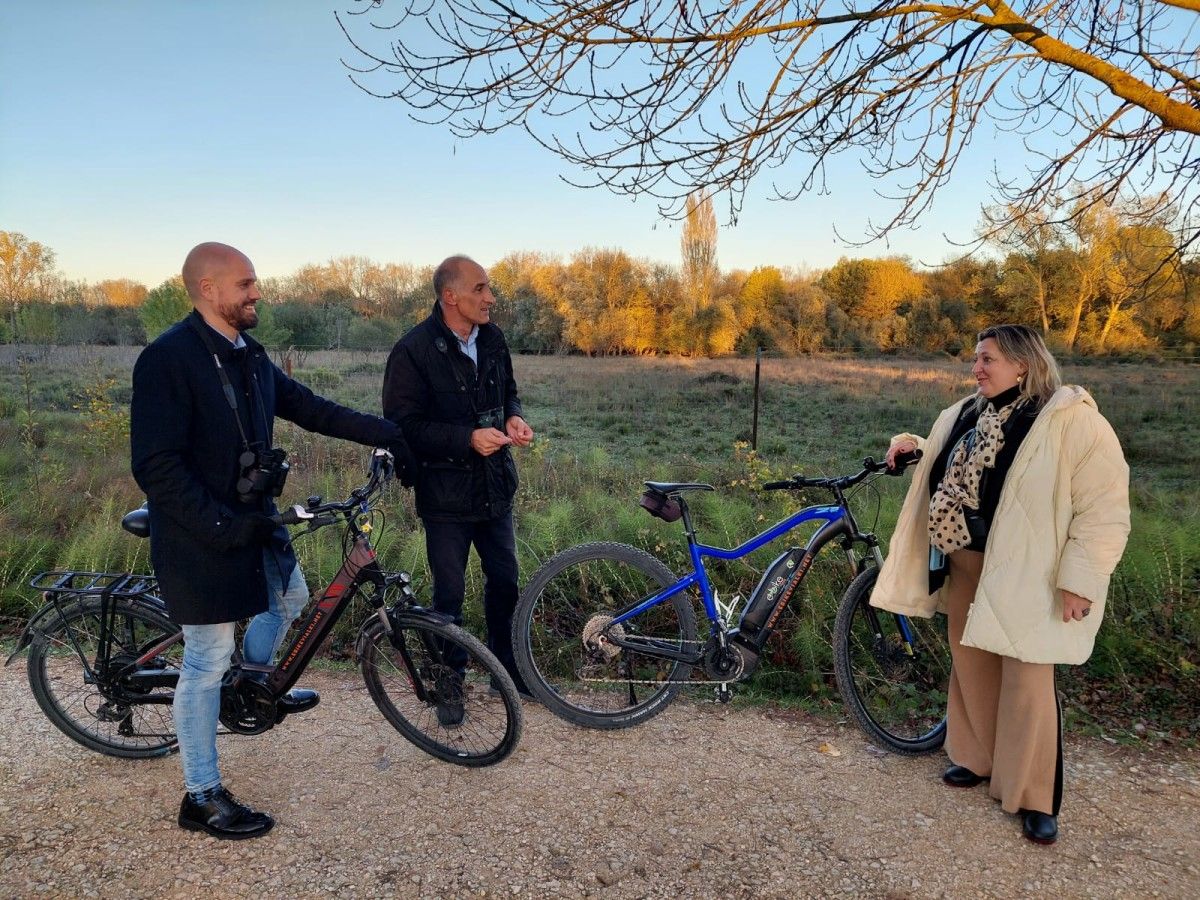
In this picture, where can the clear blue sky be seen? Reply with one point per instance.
(130, 131)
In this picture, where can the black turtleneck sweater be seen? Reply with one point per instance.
(1015, 430)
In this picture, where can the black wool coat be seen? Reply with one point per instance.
(438, 396)
(185, 445)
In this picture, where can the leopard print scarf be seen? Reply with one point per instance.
(960, 485)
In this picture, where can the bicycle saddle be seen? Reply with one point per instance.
(137, 521)
(671, 487)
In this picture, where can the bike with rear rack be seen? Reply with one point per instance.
(104, 657)
(605, 635)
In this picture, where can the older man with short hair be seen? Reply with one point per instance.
(449, 384)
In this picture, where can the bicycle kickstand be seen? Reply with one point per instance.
(724, 694)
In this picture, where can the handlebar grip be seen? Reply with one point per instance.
(292, 516)
(778, 485)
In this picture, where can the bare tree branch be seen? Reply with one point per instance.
(666, 97)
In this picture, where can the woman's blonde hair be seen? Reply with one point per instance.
(1021, 344)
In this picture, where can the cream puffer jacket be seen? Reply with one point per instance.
(1061, 522)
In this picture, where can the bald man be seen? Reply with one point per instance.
(217, 554)
(449, 384)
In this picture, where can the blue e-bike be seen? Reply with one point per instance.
(605, 635)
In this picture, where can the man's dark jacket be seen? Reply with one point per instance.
(437, 395)
(185, 446)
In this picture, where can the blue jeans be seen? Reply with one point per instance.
(207, 650)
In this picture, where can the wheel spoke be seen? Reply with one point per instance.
(569, 651)
(895, 691)
(94, 711)
(438, 692)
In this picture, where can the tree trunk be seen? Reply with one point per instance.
(1113, 309)
(1073, 326)
(1041, 302)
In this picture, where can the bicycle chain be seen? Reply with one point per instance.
(682, 643)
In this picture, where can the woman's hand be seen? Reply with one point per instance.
(1074, 606)
(896, 449)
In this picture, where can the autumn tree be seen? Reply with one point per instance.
(1087, 270)
(781, 311)
(698, 248)
(22, 263)
(605, 306)
(1142, 282)
(663, 97)
(525, 287)
(121, 292)
(870, 289)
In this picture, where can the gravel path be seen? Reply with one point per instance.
(718, 802)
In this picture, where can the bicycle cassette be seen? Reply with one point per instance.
(596, 636)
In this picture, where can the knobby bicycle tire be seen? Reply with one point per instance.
(898, 699)
(427, 674)
(104, 715)
(578, 589)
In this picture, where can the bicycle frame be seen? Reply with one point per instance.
(838, 524)
(359, 568)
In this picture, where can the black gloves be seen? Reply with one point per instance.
(406, 463)
(249, 529)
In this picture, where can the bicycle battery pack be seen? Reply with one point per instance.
(775, 588)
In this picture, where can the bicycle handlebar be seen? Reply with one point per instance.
(317, 514)
(841, 482)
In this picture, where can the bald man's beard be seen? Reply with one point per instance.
(243, 316)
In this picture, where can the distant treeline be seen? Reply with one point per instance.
(605, 302)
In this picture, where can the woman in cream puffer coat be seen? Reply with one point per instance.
(1029, 494)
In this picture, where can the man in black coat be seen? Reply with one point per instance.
(218, 555)
(449, 384)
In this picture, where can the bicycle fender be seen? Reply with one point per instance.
(32, 627)
(416, 612)
(49, 611)
(423, 612)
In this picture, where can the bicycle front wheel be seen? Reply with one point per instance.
(442, 689)
(893, 671)
(568, 604)
(97, 708)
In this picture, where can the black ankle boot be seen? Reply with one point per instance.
(1039, 827)
(962, 777)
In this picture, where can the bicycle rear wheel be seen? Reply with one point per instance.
(567, 603)
(893, 671)
(442, 689)
(101, 711)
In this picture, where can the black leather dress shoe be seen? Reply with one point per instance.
(450, 714)
(449, 697)
(962, 777)
(223, 817)
(298, 700)
(1039, 827)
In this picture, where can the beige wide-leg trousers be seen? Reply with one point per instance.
(1003, 717)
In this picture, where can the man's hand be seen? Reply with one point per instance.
(405, 462)
(519, 431)
(1074, 606)
(248, 529)
(486, 441)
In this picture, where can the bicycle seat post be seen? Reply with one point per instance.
(688, 528)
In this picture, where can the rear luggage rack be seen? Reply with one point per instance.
(114, 584)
